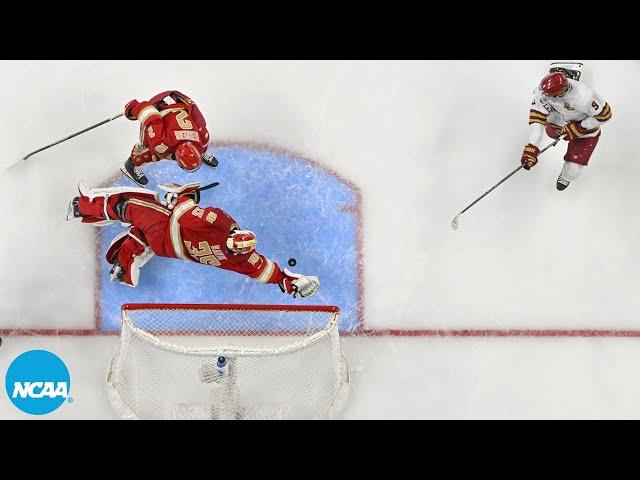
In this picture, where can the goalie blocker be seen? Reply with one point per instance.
(174, 226)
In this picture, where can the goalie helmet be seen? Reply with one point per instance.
(555, 84)
(188, 156)
(241, 241)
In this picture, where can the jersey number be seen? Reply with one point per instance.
(595, 105)
(203, 253)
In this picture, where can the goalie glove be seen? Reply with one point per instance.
(298, 285)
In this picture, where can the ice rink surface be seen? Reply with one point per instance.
(420, 140)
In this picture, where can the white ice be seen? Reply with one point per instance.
(422, 139)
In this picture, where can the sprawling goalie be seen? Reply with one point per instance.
(173, 225)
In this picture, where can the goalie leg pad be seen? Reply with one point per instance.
(129, 252)
(103, 206)
(92, 193)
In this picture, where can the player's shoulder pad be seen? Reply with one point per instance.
(583, 95)
(538, 100)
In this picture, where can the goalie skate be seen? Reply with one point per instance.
(73, 211)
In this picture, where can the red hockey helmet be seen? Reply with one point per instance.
(241, 241)
(555, 84)
(188, 156)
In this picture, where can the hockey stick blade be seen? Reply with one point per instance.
(207, 187)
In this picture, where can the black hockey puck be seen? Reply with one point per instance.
(292, 262)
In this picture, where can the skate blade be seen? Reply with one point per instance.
(70, 215)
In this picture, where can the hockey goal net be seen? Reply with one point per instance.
(282, 362)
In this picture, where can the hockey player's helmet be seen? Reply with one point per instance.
(555, 84)
(188, 156)
(241, 241)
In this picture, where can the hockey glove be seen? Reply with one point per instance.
(575, 130)
(131, 110)
(298, 285)
(554, 131)
(529, 156)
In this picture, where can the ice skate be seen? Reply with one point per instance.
(116, 273)
(73, 211)
(562, 183)
(570, 171)
(134, 173)
(209, 160)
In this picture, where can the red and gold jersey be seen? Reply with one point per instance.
(163, 126)
(200, 235)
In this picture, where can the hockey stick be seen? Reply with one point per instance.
(207, 187)
(455, 223)
(67, 138)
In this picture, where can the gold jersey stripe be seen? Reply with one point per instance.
(605, 114)
(174, 228)
(539, 117)
(537, 113)
(574, 128)
(580, 131)
(146, 112)
(267, 272)
(142, 203)
(537, 120)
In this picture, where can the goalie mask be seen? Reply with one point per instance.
(241, 241)
(188, 156)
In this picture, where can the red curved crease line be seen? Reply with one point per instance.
(265, 147)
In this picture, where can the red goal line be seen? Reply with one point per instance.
(487, 332)
(377, 332)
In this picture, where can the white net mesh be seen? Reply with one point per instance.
(283, 362)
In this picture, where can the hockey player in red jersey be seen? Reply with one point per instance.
(175, 226)
(564, 106)
(171, 127)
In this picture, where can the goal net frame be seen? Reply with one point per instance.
(227, 388)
